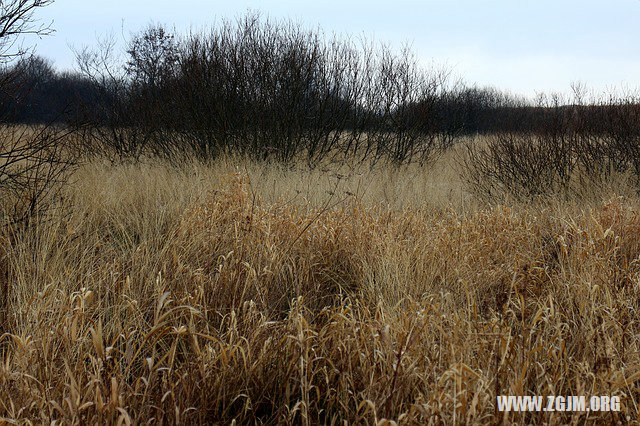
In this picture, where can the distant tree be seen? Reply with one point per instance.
(23, 86)
(36, 68)
(34, 92)
(153, 55)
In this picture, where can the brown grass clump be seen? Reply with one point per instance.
(182, 297)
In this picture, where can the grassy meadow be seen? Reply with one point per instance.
(236, 292)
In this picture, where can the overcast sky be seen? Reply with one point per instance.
(524, 46)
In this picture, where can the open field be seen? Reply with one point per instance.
(236, 291)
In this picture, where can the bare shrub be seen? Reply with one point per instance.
(611, 135)
(33, 164)
(525, 164)
(570, 145)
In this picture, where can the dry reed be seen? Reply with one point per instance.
(226, 292)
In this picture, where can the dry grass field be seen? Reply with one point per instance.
(236, 292)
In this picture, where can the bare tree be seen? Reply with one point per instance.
(17, 19)
(128, 95)
(32, 162)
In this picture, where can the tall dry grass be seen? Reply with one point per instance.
(251, 293)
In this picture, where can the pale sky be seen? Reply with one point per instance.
(524, 46)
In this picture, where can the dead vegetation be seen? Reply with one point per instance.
(174, 295)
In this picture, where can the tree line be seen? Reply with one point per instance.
(271, 89)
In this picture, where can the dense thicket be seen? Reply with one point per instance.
(265, 89)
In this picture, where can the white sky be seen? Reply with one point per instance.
(524, 46)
